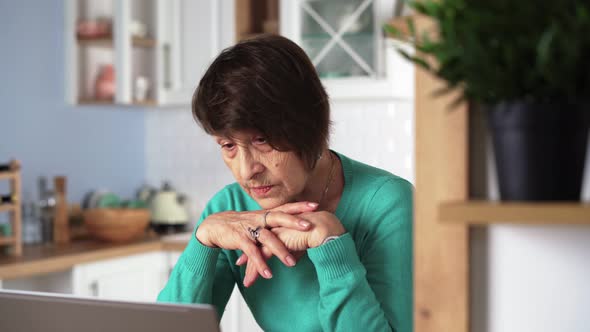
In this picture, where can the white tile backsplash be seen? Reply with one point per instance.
(177, 150)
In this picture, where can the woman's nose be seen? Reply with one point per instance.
(250, 166)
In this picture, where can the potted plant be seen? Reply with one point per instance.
(527, 63)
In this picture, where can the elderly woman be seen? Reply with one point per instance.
(330, 236)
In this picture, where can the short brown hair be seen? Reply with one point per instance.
(268, 84)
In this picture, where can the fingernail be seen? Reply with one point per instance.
(290, 260)
(246, 280)
(267, 274)
(239, 261)
(304, 223)
(313, 205)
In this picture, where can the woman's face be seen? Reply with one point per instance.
(272, 178)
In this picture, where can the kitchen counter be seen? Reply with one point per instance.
(47, 258)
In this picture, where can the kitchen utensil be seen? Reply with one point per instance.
(142, 85)
(116, 225)
(88, 29)
(47, 202)
(104, 88)
(145, 193)
(91, 198)
(108, 200)
(31, 224)
(138, 29)
(169, 213)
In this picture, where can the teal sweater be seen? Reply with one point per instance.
(360, 282)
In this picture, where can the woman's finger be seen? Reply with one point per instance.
(297, 207)
(282, 219)
(250, 275)
(243, 259)
(255, 257)
(276, 247)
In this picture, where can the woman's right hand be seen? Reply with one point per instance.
(230, 230)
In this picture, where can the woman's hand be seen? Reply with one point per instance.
(230, 230)
(323, 225)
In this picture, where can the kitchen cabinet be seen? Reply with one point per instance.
(191, 34)
(179, 39)
(133, 278)
(132, 272)
(151, 52)
(138, 277)
(346, 43)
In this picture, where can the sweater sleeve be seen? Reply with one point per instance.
(370, 290)
(201, 275)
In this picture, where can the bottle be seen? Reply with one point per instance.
(31, 224)
(47, 203)
(5, 199)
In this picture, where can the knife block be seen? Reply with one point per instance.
(61, 228)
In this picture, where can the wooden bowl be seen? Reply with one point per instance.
(116, 225)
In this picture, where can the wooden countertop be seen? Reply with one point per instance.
(47, 258)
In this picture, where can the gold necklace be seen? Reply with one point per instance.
(330, 178)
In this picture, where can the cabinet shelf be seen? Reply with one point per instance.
(8, 174)
(7, 207)
(108, 42)
(7, 240)
(535, 213)
(90, 101)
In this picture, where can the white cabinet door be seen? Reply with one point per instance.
(346, 43)
(189, 35)
(132, 278)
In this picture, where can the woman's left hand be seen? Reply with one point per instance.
(323, 225)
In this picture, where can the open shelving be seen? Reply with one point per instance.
(13, 240)
(476, 212)
(108, 42)
(131, 52)
(444, 211)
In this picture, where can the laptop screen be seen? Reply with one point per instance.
(47, 312)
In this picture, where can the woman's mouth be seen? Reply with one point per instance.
(261, 191)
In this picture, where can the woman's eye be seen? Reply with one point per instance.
(227, 146)
(260, 140)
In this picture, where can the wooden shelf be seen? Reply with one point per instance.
(96, 41)
(108, 42)
(539, 213)
(8, 174)
(6, 240)
(7, 207)
(143, 42)
(89, 101)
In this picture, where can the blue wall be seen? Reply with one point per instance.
(95, 147)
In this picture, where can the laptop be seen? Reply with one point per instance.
(49, 312)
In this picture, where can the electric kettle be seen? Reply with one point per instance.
(169, 213)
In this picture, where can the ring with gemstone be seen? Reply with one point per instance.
(254, 233)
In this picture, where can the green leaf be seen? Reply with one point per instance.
(415, 59)
(411, 27)
(544, 47)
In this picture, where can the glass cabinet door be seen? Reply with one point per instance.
(340, 37)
